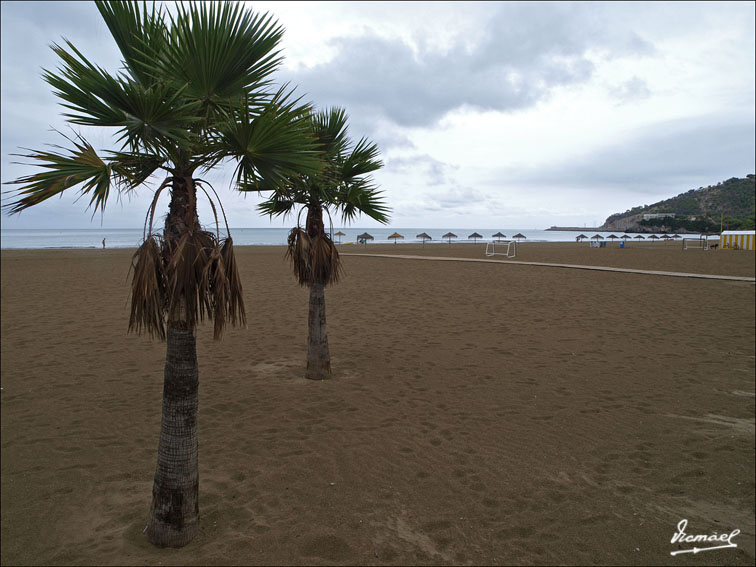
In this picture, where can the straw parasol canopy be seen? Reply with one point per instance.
(364, 237)
(612, 237)
(424, 236)
(395, 236)
(654, 237)
(499, 235)
(474, 236)
(581, 237)
(519, 235)
(339, 234)
(597, 237)
(639, 237)
(676, 236)
(449, 235)
(624, 237)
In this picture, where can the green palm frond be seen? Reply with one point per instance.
(79, 165)
(87, 90)
(330, 130)
(270, 147)
(220, 50)
(153, 117)
(132, 169)
(141, 36)
(277, 205)
(361, 197)
(362, 160)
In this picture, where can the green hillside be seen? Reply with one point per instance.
(698, 210)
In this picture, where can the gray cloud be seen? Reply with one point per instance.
(523, 51)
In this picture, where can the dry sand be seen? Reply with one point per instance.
(478, 414)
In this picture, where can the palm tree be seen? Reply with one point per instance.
(344, 185)
(194, 91)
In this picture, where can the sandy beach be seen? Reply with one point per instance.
(479, 413)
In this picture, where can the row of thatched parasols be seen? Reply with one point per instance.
(364, 237)
(598, 237)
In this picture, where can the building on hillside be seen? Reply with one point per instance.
(649, 216)
(738, 239)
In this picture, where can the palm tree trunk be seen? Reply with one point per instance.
(318, 356)
(174, 515)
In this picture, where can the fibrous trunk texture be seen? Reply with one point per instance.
(174, 517)
(318, 357)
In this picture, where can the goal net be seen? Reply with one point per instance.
(702, 243)
(506, 248)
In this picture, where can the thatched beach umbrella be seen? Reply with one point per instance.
(364, 237)
(449, 235)
(624, 237)
(519, 235)
(653, 237)
(499, 235)
(424, 236)
(474, 236)
(395, 236)
(339, 234)
(597, 237)
(639, 237)
(612, 237)
(580, 237)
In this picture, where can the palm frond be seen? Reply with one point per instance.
(314, 259)
(186, 281)
(88, 90)
(225, 288)
(362, 160)
(221, 51)
(330, 130)
(271, 147)
(277, 205)
(79, 165)
(141, 36)
(132, 169)
(361, 197)
(156, 115)
(148, 292)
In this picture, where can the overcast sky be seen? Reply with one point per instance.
(488, 115)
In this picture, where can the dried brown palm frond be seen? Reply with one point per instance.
(314, 259)
(185, 280)
(148, 293)
(186, 274)
(221, 286)
(235, 303)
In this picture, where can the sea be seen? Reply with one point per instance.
(17, 239)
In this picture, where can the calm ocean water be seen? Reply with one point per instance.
(131, 238)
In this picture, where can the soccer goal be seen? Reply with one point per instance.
(507, 248)
(702, 243)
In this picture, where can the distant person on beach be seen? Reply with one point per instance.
(103, 244)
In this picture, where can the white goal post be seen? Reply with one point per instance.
(702, 243)
(508, 248)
